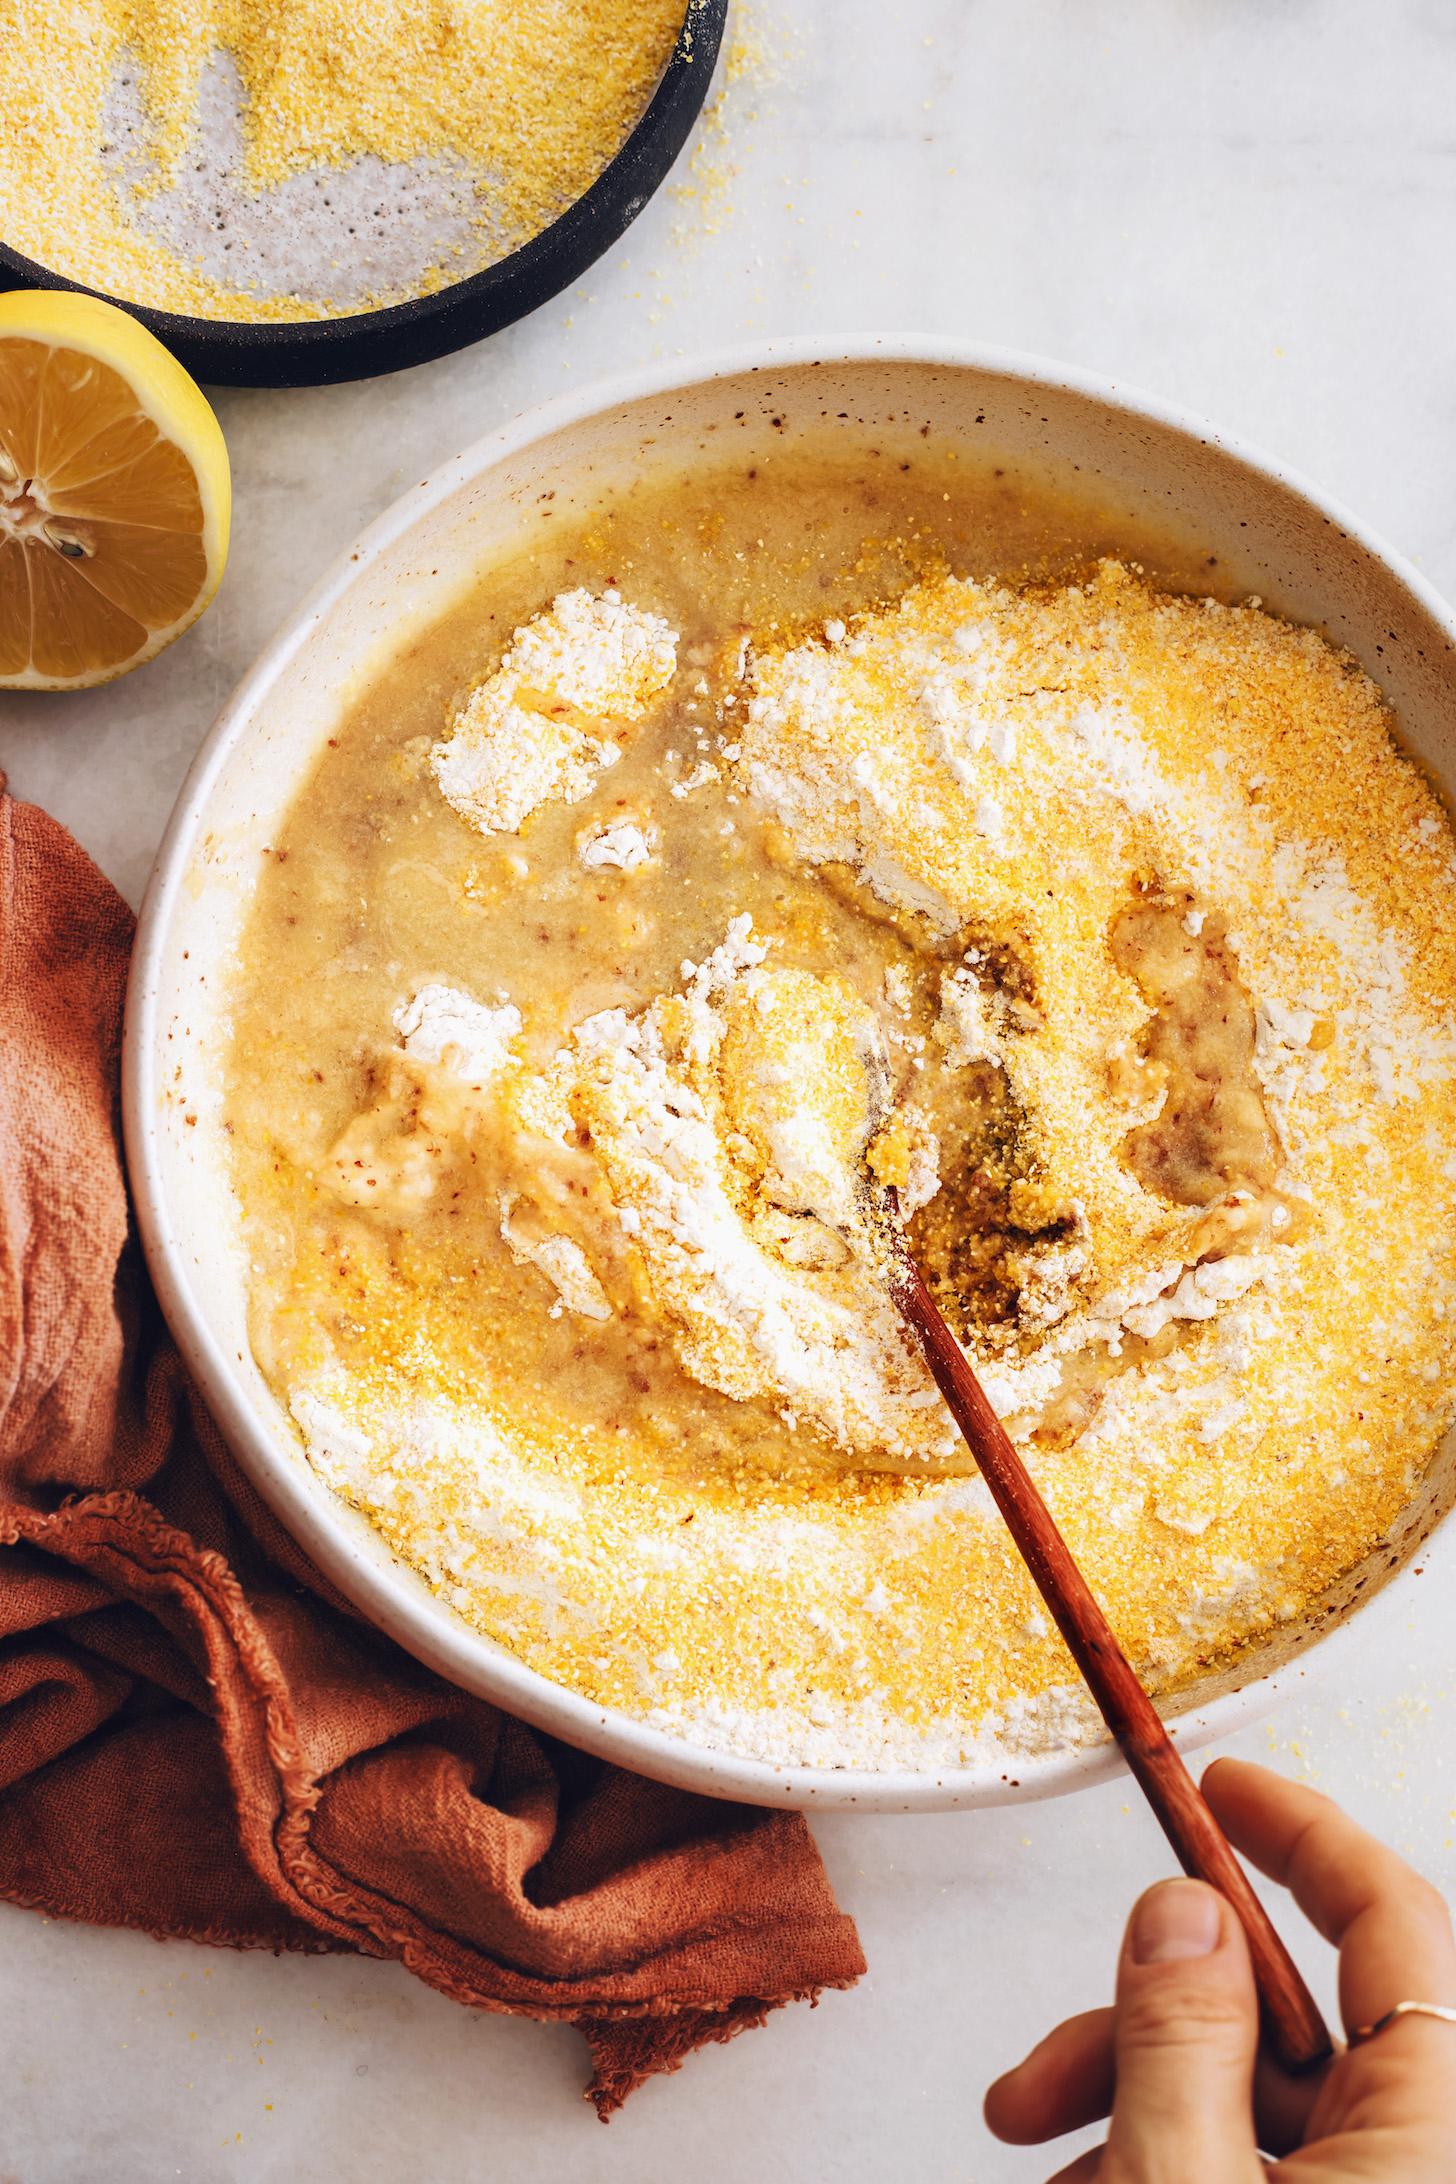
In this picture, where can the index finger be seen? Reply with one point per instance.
(1391, 1927)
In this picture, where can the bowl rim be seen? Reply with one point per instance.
(423, 1625)
(360, 344)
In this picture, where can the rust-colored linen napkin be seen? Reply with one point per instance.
(198, 1736)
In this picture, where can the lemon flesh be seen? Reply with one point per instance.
(115, 493)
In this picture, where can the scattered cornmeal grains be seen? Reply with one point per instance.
(1110, 925)
(296, 159)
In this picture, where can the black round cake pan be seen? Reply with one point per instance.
(322, 352)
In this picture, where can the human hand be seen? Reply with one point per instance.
(1174, 2062)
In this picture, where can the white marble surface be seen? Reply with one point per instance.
(1245, 205)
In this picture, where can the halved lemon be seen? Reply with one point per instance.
(115, 493)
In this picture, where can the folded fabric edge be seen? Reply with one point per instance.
(298, 1940)
(629, 2041)
(645, 2040)
(627, 2051)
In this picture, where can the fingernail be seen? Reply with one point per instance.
(1180, 1919)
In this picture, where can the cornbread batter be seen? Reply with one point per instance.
(651, 915)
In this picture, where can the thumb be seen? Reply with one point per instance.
(1187, 2027)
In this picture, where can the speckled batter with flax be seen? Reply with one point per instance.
(1111, 925)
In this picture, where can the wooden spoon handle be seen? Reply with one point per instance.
(1292, 2020)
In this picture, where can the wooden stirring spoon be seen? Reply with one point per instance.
(1292, 2021)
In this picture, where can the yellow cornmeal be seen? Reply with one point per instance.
(948, 814)
(535, 96)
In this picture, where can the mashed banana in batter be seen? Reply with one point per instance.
(1109, 924)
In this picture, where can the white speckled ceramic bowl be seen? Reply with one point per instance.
(1272, 533)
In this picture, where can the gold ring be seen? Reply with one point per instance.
(1402, 2009)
